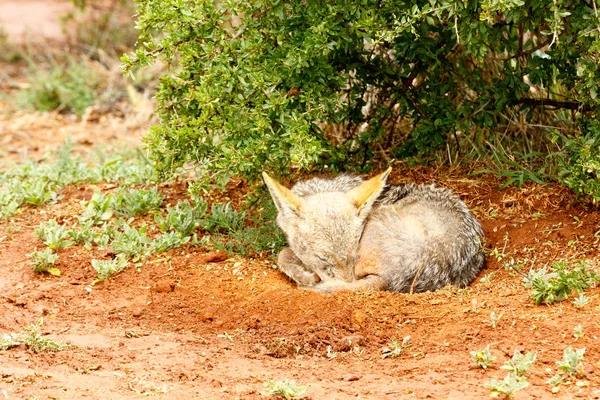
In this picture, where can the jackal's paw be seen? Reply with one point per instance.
(306, 278)
(330, 286)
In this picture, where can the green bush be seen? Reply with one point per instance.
(273, 85)
(580, 162)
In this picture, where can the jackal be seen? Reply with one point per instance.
(348, 234)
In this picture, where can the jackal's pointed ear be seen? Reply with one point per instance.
(285, 200)
(364, 195)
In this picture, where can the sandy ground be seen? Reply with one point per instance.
(33, 20)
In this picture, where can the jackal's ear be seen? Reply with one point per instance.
(285, 200)
(364, 195)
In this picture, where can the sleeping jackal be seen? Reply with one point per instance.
(348, 234)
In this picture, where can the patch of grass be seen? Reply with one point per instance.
(250, 240)
(128, 167)
(68, 86)
(558, 283)
(37, 183)
(98, 29)
(223, 218)
(287, 389)
(483, 358)
(32, 338)
(572, 362)
(69, 169)
(108, 268)
(258, 234)
(216, 182)
(43, 261)
(9, 340)
(132, 203)
(9, 52)
(515, 167)
(507, 387)
(53, 235)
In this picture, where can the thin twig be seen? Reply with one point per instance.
(412, 286)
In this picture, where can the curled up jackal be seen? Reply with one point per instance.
(348, 234)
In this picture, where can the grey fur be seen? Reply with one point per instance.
(404, 238)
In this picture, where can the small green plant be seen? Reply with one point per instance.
(37, 192)
(168, 241)
(570, 365)
(107, 232)
(136, 202)
(286, 389)
(558, 283)
(85, 235)
(223, 218)
(483, 358)
(395, 348)
(55, 236)
(520, 363)
(507, 387)
(487, 279)
(108, 268)
(183, 218)
(43, 261)
(98, 209)
(581, 301)
(493, 322)
(32, 338)
(216, 182)
(133, 243)
(578, 332)
(9, 202)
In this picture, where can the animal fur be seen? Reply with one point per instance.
(349, 234)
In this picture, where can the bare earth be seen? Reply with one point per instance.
(32, 20)
(194, 323)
